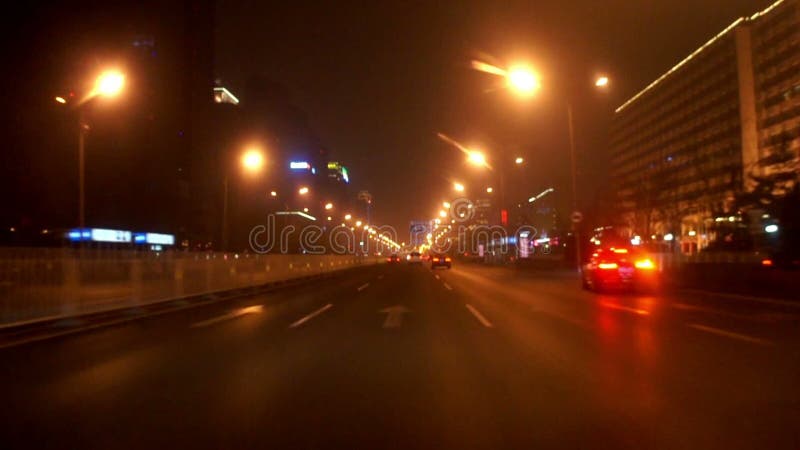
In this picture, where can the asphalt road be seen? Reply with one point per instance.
(405, 357)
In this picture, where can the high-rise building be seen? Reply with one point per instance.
(689, 142)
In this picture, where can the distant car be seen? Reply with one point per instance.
(414, 258)
(619, 268)
(393, 259)
(439, 260)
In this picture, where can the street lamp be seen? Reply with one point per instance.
(476, 158)
(519, 160)
(601, 81)
(303, 190)
(523, 80)
(458, 187)
(347, 217)
(489, 190)
(328, 206)
(108, 84)
(252, 161)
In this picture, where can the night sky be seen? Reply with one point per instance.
(379, 79)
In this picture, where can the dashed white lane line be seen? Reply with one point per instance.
(363, 286)
(231, 315)
(730, 334)
(479, 316)
(436, 276)
(449, 288)
(311, 316)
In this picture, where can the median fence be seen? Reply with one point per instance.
(45, 284)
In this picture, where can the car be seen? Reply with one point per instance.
(619, 268)
(393, 259)
(440, 260)
(414, 258)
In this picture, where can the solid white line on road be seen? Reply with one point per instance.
(363, 286)
(730, 334)
(231, 315)
(448, 287)
(311, 316)
(479, 316)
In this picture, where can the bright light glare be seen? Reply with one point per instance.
(252, 160)
(668, 237)
(601, 82)
(303, 190)
(645, 264)
(458, 187)
(273, 194)
(109, 83)
(347, 217)
(446, 204)
(442, 213)
(523, 80)
(519, 160)
(61, 100)
(771, 228)
(328, 205)
(477, 158)
(489, 190)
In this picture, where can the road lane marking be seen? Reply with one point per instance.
(448, 287)
(730, 334)
(362, 287)
(231, 315)
(436, 276)
(394, 316)
(305, 319)
(479, 316)
(637, 311)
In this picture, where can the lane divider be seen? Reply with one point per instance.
(449, 288)
(731, 334)
(255, 309)
(363, 286)
(479, 316)
(305, 319)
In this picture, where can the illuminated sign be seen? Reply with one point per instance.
(333, 165)
(345, 177)
(105, 235)
(159, 239)
(299, 165)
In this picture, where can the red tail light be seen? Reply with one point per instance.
(448, 259)
(766, 262)
(608, 266)
(644, 264)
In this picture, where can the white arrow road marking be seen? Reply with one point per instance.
(362, 287)
(394, 316)
(479, 316)
(448, 287)
(231, 315)
(730, 334)
(305, 319)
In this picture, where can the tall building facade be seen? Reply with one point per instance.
(684, 146)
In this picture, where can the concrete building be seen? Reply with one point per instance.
(686, 144)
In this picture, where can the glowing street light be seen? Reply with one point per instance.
(519, 160)
(347, 217)
(442, 213)
(477, 158)
(601, 81)
(273, 194)
(328, 206)
(109, 83)
(489, 190)
(358, 223)
(61, 100)
(523, 80)
(446, 204)
(303, 190)
(253, 160)
(458, 187)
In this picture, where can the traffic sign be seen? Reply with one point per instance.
(576, 217)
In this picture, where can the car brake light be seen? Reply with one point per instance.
(448, 259)
(608, 266)
(645, 264)
(620, 250)
(766, 262)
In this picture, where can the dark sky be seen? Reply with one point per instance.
(379, 79)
